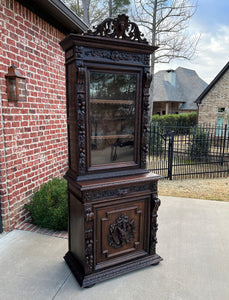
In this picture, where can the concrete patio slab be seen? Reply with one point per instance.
(193, 239)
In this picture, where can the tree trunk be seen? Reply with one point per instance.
(152, 60)
(110, 8)
(85, 12)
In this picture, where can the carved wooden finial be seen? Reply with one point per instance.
(120, 28)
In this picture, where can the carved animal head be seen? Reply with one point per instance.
(121, 25)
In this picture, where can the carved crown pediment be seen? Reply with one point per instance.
(119, 28)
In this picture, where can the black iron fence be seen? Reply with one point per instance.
(181, 152)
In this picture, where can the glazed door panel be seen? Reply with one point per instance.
(112, 116)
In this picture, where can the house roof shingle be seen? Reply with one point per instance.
(214, 81)
(184, 86)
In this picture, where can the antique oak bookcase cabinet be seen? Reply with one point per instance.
(113, 199)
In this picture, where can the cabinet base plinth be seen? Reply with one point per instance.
(98, 276)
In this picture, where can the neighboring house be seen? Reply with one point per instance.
(176, 90)
(213, 103)
(33, 131)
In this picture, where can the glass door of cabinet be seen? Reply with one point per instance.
(112, 117)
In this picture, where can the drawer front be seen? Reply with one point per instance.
(121, 231)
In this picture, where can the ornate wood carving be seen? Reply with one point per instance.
(81, 110)
(115, 56)
(154, 186)
(96, 195)
(113, 205)
(91, 279)
(119, 229)
(122, 231)
(89, 215)
(81, 78)
(120, 28)
(146, 86)
(154, 226)
(79, 50)
(89, 243)
(154, 189)
(146, 59)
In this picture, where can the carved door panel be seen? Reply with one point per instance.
(120, 231)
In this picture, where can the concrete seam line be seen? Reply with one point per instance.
(61, 286)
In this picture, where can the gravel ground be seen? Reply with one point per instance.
(210, 189)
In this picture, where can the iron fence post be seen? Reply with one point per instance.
(149, 139)
(170, 156)
(179, 155)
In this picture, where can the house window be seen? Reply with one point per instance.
(219, 125)
(221, 109)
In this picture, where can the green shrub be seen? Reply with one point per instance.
(200, 144)
(186, 119)
(48, 207)
(155, 140)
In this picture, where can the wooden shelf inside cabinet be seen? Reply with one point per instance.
(105, 101)
(116, 136)
(114, 118)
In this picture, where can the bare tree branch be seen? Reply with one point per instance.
(94, 12)
(165, 24)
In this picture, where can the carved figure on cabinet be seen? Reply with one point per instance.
(122, 231)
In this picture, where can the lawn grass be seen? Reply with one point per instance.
(209, 189)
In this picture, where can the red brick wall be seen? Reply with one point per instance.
(33, 135)
(217, 97)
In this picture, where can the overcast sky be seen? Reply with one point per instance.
(212, 22)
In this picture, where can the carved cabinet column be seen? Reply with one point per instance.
(113, 200)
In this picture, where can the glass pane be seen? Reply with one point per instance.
(219, 125)
(112, 117)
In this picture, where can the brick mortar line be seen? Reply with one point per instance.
(25, 226)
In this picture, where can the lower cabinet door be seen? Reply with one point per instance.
(122, 231)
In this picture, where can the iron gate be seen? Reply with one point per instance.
(181, 152)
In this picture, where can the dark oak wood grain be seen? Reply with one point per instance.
(113, 200)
